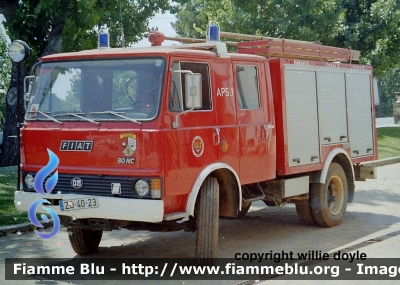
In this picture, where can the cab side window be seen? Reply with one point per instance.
(177, 96)
(247, 87)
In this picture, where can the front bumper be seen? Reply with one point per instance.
(113, 208)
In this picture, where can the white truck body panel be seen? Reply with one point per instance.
(332, 113)
(358, 87)
(302, 114)
(326, 106)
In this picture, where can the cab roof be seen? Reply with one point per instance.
(109, 53)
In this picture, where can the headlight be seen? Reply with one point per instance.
(29, 181)
(142, 188)
(18, 51)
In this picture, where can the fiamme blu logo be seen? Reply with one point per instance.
(49, 186)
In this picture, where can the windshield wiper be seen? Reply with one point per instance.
(119, 115)
(77, 115)
(47, 116)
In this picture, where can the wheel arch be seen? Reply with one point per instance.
(230, 192)
(341, 157)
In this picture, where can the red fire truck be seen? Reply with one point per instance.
(172, 138)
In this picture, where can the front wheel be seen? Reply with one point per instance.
(84, 241)
(329, 200)
(207, 215)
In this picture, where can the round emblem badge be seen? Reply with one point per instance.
(76, 182)
(197, 146)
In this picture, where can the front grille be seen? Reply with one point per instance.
(94, 185)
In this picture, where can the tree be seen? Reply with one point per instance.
(370, 26)
(302, 20)
(53, 26)
(390, 84)
(5, 68)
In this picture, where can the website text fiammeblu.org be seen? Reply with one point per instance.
(313, 265)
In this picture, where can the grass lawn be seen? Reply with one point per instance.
(388, 146)
(8, 183)
(388, 142)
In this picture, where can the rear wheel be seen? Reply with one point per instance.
(84, 241)
(207, 215)
(329, 200)
(304, 212)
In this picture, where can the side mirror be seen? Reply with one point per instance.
(28, 82)
(193, 96)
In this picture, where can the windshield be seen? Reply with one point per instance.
(97, 90)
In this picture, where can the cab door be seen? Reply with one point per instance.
(255, 122)
(191, 135)
(225, 103)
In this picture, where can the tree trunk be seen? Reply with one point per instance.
(54, 44)
(10, 149)
(14, 115)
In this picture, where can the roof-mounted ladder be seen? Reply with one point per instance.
(273, 47)
(279, 47)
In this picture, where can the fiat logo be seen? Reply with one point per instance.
(76, 182)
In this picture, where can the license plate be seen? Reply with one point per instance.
(79, 204)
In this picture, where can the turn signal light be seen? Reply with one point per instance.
(155, 188)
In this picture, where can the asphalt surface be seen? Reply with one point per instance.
(386, 122)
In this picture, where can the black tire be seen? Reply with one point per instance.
(207, 216)
(329, 200)
(303, 209)
(84, 241)
(244, 210)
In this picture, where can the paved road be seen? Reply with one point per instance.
(373, 215)
(386, 122)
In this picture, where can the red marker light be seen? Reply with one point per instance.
(156, 38)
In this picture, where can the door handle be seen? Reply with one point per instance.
(266, 127)
(217, 137)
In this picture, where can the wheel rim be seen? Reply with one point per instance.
(335, 195)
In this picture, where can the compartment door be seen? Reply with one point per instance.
(358, 86)
(302, 116)
(332, 106)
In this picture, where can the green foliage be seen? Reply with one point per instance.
(390, 83)
(5, 69)
(9, 215)
(303, 20)
(370, 26)
(53, 26)
(128, 18)
(80, 21)
(366, 25)
(8, 182)
(73, 98)
(32, 22)
(373, 28)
